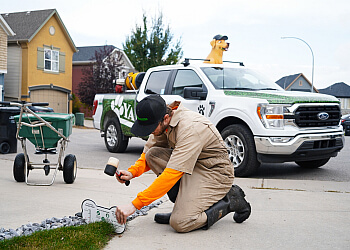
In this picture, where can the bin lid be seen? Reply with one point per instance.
(47, 116)
(10, 110)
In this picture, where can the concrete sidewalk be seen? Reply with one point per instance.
(88, 123)
(286, 214)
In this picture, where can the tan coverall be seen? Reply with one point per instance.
(194, 146)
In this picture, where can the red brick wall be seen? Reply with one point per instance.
(77, 76)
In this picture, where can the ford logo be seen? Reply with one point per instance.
(323, 116)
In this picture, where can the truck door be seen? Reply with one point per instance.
(186, 86)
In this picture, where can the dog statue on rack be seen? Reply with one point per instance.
(219, 45)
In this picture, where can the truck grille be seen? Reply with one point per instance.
(308, 116)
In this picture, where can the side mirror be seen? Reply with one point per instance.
(195, 93)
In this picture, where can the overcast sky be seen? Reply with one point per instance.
(254, 29)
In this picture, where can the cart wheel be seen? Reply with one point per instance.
(69, 168)
(18, 168)
(5, 147)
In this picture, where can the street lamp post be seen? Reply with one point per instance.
(312, 53)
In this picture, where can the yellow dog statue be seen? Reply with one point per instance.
(219, 45)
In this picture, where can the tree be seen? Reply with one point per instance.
(100, 76)
(148, 48)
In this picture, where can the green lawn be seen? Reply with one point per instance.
(90, 236)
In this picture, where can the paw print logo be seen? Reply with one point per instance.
(201, 109)
(117, 105)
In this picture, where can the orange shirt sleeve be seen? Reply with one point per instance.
(158, 188)
(140, 166)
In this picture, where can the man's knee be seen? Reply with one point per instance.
(153, 161)
(157, 159)
(184, 225)
(178, 224)
(155, 154)
(149, 155)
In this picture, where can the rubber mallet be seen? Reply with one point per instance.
(112, 168)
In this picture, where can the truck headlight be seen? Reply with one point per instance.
(271, 116)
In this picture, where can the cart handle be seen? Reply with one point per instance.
(33, 125)
(19, 104)
(40, 104)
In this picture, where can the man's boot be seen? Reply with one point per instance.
(233, 202)
(164, 218)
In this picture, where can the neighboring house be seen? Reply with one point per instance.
(5, 31)
(297, 82)
(342, 91)
(85, 56)
(39, 59)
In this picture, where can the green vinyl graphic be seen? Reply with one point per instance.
(123, 107)
(284, 99)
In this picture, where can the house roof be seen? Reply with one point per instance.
(87, 53)
(6, 27)
(287, 81)
(340, 89)
(28, 23)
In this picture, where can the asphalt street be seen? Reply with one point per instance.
(88, 146)
(89, 140)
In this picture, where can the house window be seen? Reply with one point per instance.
(300, 83)
(51, 58)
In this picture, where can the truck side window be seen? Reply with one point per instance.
(185, 78)
(156, 82)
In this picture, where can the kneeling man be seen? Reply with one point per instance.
(189, 156)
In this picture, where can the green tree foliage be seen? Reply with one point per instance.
(100, 76)
(148, 48)
(76, 104)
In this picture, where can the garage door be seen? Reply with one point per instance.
(57, 100)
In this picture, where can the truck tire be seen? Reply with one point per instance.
(312, 164)
(114, 137)
(241, 149)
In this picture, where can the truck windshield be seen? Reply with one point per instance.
(239, 79)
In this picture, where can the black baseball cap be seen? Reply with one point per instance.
(220, 37)
(149, 112)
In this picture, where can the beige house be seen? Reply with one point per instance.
(297, 82)
(5, 31)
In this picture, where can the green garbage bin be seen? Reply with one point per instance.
(79, 119)
(43, 136)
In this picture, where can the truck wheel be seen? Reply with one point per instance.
(114, 137)
(241, 149)
(19, 168)
(69, 168)
(312, 164)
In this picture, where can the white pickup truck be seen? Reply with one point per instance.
(259, 121)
